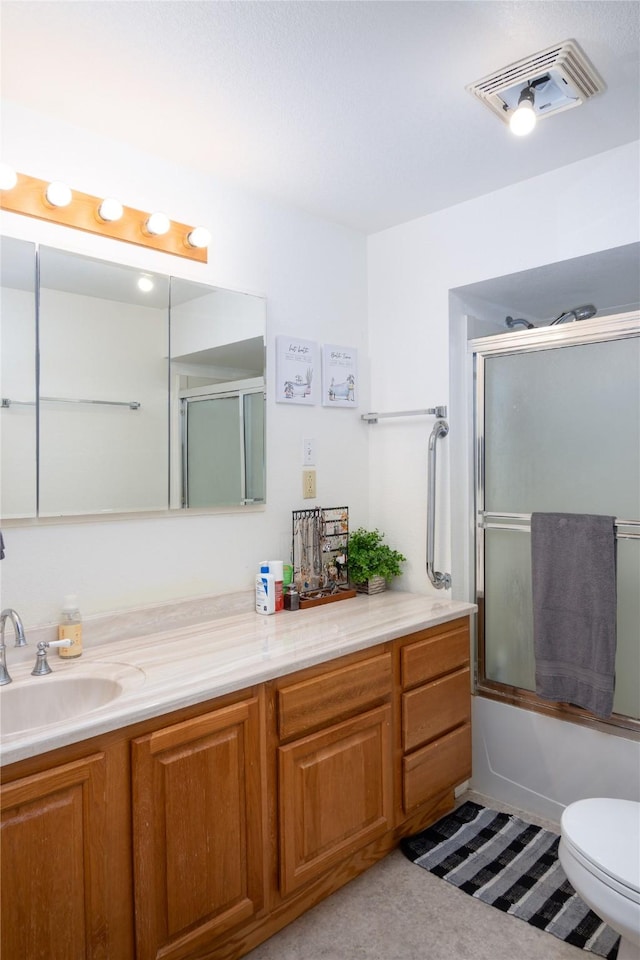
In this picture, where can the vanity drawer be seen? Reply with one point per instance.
(439, 766)
(333, 695)
(431, 710)
(441, 650)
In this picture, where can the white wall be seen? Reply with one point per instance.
(579, 209)
(313, 274)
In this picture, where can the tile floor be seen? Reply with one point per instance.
(398, 911)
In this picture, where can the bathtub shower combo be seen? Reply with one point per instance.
(557, 431)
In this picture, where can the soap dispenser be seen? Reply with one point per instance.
(70, 628)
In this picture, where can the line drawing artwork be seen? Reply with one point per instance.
(339, 376)
(296, 364)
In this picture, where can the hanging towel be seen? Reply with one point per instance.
(573, 566)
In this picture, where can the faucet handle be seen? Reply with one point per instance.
(42, 667)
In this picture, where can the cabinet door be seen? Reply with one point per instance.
(336, 795)
(53, 864)
(198, 837)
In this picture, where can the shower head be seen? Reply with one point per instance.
(584, 312)
(510, 322)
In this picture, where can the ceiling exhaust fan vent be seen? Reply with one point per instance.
(562, 75)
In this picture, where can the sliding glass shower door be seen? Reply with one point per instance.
(558, 429)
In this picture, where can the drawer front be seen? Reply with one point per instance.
(441, 765)
(318, 701)
(434, 655)
(431, 710)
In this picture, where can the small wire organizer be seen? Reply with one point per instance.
(319, 555)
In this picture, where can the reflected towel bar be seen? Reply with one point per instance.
(132, 404)
(522, 524)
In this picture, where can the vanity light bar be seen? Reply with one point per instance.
(29, 197)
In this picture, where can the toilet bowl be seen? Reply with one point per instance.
(600, 854)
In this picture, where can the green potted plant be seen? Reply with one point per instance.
(371, 562)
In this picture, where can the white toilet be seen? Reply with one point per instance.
(600, 854)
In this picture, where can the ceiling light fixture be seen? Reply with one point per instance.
(145, 284)
(523, 119)
(110, 210)
(562, 77)
(55, 202)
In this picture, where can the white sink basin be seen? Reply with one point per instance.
(41, 701)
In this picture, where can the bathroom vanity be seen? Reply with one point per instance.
(260, 764)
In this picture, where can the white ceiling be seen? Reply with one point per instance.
(354, 111)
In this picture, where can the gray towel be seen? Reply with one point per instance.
(573, 566)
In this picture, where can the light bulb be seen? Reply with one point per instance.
(110, 210)
(199, 237)
(157, 224)
(8, 177)
(58, 194)
(523, 119)
(145, 284)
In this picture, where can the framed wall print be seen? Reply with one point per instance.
(339, 376)
(296, 370)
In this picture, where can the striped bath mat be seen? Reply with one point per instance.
(514, 866)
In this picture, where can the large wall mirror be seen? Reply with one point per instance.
(125, 391)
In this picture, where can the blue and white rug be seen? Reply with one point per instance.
(514, 866)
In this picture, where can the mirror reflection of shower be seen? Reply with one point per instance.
(584, 312)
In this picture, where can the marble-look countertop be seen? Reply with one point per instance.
(165, 670)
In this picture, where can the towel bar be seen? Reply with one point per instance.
(522, 523)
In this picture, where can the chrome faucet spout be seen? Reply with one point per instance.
(21, 641)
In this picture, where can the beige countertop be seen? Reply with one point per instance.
(165, 670)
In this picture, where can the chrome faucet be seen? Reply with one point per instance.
(21, 641)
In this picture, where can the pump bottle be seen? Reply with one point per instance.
(265, 591)
(70, 628)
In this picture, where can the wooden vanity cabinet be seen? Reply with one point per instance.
(198, 809)
(197, 835)
(57, 864)
(435, 712)
(335, 775)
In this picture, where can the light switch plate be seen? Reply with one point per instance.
(308, 452)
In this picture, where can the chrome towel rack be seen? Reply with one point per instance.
(521, 523)
(431, 412)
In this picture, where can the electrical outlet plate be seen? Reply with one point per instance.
(308, 484)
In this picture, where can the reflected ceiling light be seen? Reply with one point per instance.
(199, 237)
(58, 194)
(157, 224)
(110, 210)
(8, 177)
(523, 119)
(145, 284)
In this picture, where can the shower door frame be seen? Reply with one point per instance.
(618, 327)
